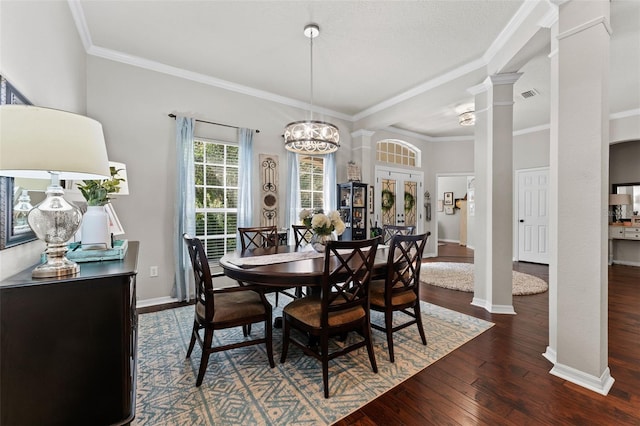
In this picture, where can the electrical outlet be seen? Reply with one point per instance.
(153, 271)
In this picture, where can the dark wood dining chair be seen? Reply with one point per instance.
(217, 309)
(302, 235)
(342, 306)
(388, 231)
(400, 290)
(258, 237)
(261, 237)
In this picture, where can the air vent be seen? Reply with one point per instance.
(529, 94)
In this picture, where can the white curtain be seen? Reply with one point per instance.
(293, 206)
(245, 179)
(330, 189)
(185, 214)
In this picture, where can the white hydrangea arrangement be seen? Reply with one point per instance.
(322, 224)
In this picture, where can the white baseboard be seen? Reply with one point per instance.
(601, 384)
(550, 355)
(494, 309)
(155, 301)
(625, 262)
(425, 255)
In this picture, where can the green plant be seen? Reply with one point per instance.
(96, 192)
(409, 201)
(388, 200)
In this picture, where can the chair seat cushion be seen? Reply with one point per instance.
(234, 306)
(376, 295)
(308, 310)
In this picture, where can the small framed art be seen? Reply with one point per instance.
(448, 198)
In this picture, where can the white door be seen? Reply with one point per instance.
(533, 215)
(399, 198)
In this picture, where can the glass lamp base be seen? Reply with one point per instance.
(57, 264)
(57, 270)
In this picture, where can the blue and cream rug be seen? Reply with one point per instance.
(239, 388)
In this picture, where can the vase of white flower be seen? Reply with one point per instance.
(325, 228)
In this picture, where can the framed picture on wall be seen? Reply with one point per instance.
(448, 198)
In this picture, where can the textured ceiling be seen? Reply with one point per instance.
(368, 53)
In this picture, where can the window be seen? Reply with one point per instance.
(216, 181)
(397, 152)
(311, 182)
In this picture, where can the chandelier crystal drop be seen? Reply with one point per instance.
(311, 136)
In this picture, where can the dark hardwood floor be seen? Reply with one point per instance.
(501, 377)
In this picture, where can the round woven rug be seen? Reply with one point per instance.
(459, 276)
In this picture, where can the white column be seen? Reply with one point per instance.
(362, 153)
(579, 156)
(493, 151)
(550, 352)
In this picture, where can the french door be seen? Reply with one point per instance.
(399, 198)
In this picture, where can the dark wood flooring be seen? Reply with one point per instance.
(501, 377)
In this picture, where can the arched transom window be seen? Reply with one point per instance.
(395, 151)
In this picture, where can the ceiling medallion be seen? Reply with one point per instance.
(311, 136)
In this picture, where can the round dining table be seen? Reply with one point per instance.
(287, 266)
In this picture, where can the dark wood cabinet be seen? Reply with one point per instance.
(352, 204)
(68, 346)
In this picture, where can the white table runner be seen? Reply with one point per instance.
(268, 259)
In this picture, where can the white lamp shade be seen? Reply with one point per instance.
(620, 199)
(35, 141)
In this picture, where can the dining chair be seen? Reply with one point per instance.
(342, 306)
(388, 231)
(258, 237)
(262, 237)
(302, 235)
(217, 309)
(400, 290)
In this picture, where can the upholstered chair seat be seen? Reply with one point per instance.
(376, 295)
(232, 307)
(309, 309)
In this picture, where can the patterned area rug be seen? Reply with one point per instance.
(239, 388)
(459, 276)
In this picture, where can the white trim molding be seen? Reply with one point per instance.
(155, 302)
(551, 355)
(601, 384)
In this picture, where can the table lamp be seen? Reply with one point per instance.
(40, 143)
(618, 200)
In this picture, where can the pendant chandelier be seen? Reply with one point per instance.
(311, 136)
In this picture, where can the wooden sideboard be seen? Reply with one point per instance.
(68, 346)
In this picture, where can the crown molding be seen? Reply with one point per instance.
(81, 23)
(624, 114)
(422, 88)
(586, 25)
(509, 30)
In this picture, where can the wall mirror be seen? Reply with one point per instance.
(632, 188)
(13, 227)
